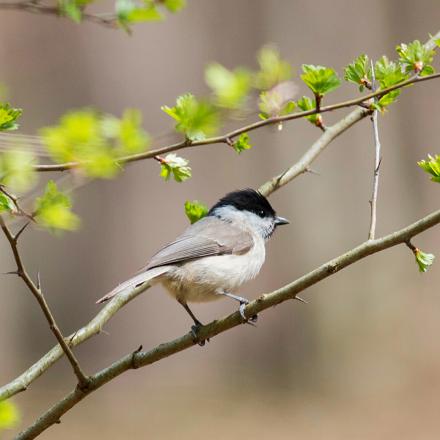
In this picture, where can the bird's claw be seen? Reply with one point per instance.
(195, 334)
(251, 320)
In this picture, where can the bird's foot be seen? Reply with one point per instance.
(251, 320)
(195, 333)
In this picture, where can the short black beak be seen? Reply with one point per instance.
(281, 221)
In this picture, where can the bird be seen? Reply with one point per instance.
(214, 256)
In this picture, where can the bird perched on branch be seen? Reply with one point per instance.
(214, 256)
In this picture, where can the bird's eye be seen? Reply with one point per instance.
(261, 213)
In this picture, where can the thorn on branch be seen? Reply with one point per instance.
(298, 298)
(20, 231)
(134, 364)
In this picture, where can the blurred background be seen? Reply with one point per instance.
(361, 360)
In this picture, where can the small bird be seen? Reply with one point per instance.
(214, 256)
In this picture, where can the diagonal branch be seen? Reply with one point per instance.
(226, 138)
(139, 358)
(37, 293)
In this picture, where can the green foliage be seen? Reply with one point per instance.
(230, 87)
(242, 143)
(95, 140)
(277, 101)
(6, 204)
(320, 80)
(53, 209)
(173, 165)
(431, 166)
(306, 104)
(9, 415)
(9, 116)
(195, 210)
(16, 170)
(196, 119)
(359, 72)
(388, 73)
(73, 8)
(415, 57)
(174, 5)
(424, 260)
(273, 69)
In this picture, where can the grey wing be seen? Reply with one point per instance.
(207, 237)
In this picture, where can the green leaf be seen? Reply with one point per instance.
(195, 210)
(431, 166)
(176, 166)
(16, 170)
(359, 72)
(278, 101)
(415, 57)
(242, 143)
(9, 116)
(320, 80)
(231, 88)
(9, 415)
(53, 209)
(306, 104)
(95, 140)
(196, 119)
(131, 12)
(273, 69)
(73, 8)
(6, 204)
(175, 5)
(424, 260)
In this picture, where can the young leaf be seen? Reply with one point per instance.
(195, 210)
(6, 204)
(306, 104)
(242, 143)
(9, 116)
(173, 165)
(431, 166)
(415, 57)
(130, 12)
(278, 101)
(320, 80)
(16, 170)
(359, 72)
(73, 8)
(130, 136)
(230, 87)
(273, 69)
(53, 209)
(174, 5)
(9, 415)
(424, 260)
(196, 119)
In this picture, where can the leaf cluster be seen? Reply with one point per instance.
(195, 210)
(431, 166)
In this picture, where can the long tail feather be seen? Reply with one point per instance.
(134, 282)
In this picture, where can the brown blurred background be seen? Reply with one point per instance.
(360, 361)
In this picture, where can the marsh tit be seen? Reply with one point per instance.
(214, 256)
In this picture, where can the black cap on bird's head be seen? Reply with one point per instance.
(249, 200)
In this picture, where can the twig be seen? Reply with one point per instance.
(265, 301)
(377, 162)
(107, 20)
(83, 381)
(226, 138)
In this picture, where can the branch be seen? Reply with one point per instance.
(377, 162)
(34, 6)
(303, 165)
(139, 358)
(226, 138)
(37, 293)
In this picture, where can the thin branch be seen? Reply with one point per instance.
(139, 358)
(226, 138)
(107, 20)
(37, 293)
(303, 165)
(377, 162)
